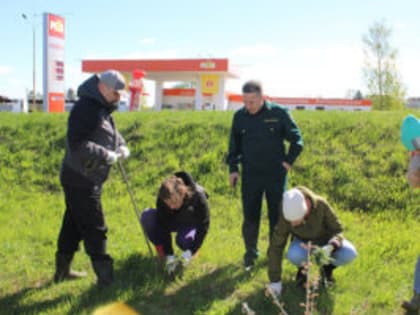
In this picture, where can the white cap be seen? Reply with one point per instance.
(294, 205)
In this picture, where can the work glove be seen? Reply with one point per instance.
(112, 157)
(171, 264)
(186, 257)
(328, 249)
(275, 288)
(124, 151)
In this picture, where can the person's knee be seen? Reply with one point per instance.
(184, 242)
(95, 242)
(148, 218)
(296, 256)
(345, 255)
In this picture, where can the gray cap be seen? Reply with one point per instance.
(112, 79)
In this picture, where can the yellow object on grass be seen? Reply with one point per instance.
(117, 308)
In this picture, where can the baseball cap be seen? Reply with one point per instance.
(112, 79)
(294, 205)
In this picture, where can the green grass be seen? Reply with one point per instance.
(354, 159)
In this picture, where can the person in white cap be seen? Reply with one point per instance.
(93, 144)
(306, 217)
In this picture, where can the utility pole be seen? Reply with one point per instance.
(25, 17)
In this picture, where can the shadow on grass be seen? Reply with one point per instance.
(12, 304)
(141, 285)
(292, 298)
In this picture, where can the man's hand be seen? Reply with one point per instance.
(286, 165)
(171, 264)
(328, 249)
(186, 257)
(124, 151)
(112, 157)
(275, 288)
(233, 179)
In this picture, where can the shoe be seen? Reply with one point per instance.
(249, 264)
(104, 272)
(327, 278)
(301, 278)
(413, 304)
(63, 271)
(249, 260)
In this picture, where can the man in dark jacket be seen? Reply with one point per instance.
(93, 144)
(258, 133)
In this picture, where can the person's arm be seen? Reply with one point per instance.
(120, 139)
(234, 151)
(333, 225)
(83, 120)
(276, 248)
(294, 137)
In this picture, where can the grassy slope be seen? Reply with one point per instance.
(355, 159)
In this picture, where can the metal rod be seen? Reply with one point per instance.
(136, 210)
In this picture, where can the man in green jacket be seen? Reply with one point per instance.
(259, 130)
(306, 217)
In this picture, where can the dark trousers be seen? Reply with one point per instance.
(160, 236)
(252, 196)
(83, 221)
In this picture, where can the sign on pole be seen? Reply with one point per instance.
(53, 63)
(209, 83)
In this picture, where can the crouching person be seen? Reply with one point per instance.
(182, 208)
(306, 217)
(413, 177)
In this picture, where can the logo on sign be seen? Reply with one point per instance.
(207, 65)
(56, 26)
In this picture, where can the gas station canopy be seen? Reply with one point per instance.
(204, 72)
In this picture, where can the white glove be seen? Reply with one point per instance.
(328, 249)
(275, 288)
(112, 157)
(171, 264)
(124, 151)
(186, 257)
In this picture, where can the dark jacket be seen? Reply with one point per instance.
(257, 141)
(320, 227)
(91, 132)
(194, 212)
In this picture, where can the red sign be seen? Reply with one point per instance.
(55, 26)
(56, 102)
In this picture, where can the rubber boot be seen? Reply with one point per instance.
(301, 277)
(104, 271)
(413, 304)
(327, 275)
(63, 271)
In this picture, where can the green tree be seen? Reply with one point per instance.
(380, 70)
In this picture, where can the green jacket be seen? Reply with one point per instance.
(321, 226)
(257, 141)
